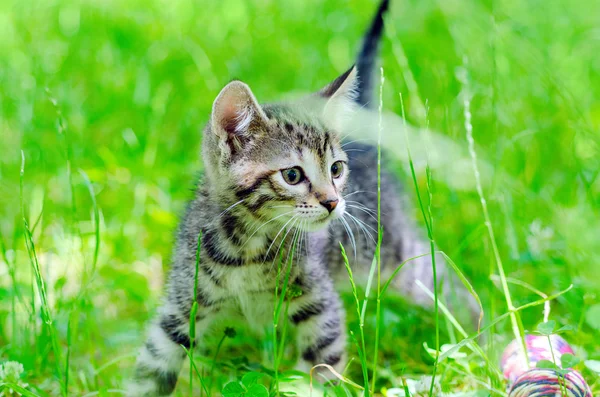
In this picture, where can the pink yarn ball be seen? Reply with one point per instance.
(541, 382)
(539, 348)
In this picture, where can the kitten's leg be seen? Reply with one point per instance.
(319, 317)
(160, 360)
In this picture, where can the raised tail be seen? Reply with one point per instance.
(367, 58)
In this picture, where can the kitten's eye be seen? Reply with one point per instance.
(293, 176)
(337, 169)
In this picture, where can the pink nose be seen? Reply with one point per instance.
(330, 204)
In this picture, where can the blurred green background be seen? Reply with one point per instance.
(119, 91)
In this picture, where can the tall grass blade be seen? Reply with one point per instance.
(467, 285)
(12, 267)
(379, 234)
(369, 285)
(193, 313)
(429, 225)
(363, 359)
(214, 363)
(279, 305)
(195, 369)
(397, 270)
(515, 318)
(41, 285)
(510, 280)
(474, 346)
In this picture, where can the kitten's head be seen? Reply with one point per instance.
(281, 162)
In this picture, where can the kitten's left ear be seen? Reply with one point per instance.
(236, 116)
(340, 95)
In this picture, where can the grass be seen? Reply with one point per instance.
(379, 233)
(360, 345)
(105, 101)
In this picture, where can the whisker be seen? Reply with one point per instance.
(306, 240)
(362, 229)
(231, 207)
(302, 235)
(362, 225)
(302, 239)
(364, 210)
(350, 234)
(293, 241)
(276, 257)
(295, 217)
(344, 137)
(263, 225)
(360, 204)
(353, 141)
(359, 191)
(354, 150)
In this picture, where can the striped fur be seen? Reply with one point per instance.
(249, 214)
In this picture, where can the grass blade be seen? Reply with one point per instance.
(279, 304)
(474, 346)
(472, 337)
(379, 234)
(361, 348)
(193, 312)
(17, 388)
(195, 368)
(429, 225)
(515, 318)
(546, 312)
(467, 285)
(41, 285)
(369, 285)
(335, 373)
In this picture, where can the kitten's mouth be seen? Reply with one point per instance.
(312, 221)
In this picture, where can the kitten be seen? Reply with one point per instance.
(277, 174)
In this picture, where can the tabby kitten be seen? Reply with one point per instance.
(275, 174)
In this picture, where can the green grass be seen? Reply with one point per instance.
(106, 101)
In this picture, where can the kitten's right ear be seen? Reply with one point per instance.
(236, 115)
(344, 87)
(340, 96)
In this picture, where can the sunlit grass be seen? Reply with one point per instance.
(106, 102)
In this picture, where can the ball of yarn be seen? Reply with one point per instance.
(539, 348)
(542, 382)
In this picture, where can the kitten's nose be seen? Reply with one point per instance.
(330, 204)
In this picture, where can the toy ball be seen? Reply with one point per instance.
(542, 382)
(539, 348)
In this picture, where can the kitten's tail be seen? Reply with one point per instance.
(367, 57)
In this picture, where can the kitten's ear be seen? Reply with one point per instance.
(236, 115)
(344, 86)
(340, 94)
